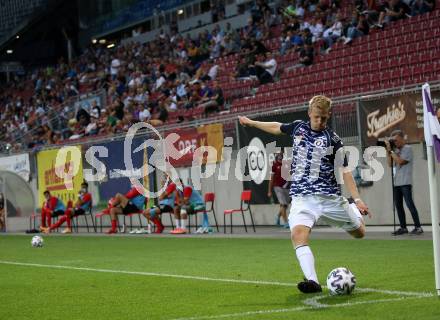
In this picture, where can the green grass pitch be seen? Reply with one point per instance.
(89, 278)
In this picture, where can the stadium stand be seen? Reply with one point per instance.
(141, 84)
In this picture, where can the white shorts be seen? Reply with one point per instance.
(331, 210)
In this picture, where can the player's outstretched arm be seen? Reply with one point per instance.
(350, 184)
(269, 127)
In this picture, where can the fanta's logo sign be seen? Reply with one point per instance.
(376, 123)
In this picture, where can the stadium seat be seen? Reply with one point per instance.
(245, 206)
(87, 213)
(209, 198)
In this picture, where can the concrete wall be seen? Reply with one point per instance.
(378, 197)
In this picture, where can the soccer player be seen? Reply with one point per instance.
(131, 202)
(83, 204)
(52, 207)
(314, 191)
(190, 202)
(167, 203)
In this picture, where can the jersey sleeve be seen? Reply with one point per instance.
(288, 128)
(171, 188)
(132, 193)
(187, 192)
(338, 149)
(87, 198)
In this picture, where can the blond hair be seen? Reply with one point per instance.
(320, 102)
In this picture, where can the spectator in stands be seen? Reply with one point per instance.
(212, 71)
(392, 10)
(307, 36)
(296, 40)
(229, 46)
(161, 116)
(145, 114)
(213, 103)
(422, 6)
(316, 28)
(358, 29)
(114, 67)
(334, 32)
(265, 70)
(92, 127)
(285, 43)
(241, 69)
(257, 47)
(306, 55)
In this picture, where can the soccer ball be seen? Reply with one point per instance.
(37, 242)
(341, 281)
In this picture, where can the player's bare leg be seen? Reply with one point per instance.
(283, 213)
(359, 232)
(119, 200)
(114, 212)
(300, 239)
(181, 218)
(153, 215)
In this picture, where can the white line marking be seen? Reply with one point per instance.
(181, 276)
(399, 293)
(251, 313)
(151, 274)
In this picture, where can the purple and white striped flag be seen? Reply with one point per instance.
(430, 122)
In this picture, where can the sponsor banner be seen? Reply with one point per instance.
(18, 164)
(380, 117)
(116, 178)
(214, 135)
(260, 158)
(67, 188)
(191, 139)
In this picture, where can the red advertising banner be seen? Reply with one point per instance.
(191, 139)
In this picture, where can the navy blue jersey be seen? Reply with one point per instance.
(314, 159)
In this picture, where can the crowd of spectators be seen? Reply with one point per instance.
(175, 74)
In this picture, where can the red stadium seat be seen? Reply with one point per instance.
(245, 206)
(209, 199)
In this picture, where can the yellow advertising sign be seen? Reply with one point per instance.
(50, 170)
(214, 137)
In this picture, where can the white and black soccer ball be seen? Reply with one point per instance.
(341, 281)
(37, 242)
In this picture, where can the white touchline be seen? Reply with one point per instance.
(317, 306)
(181, 276)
